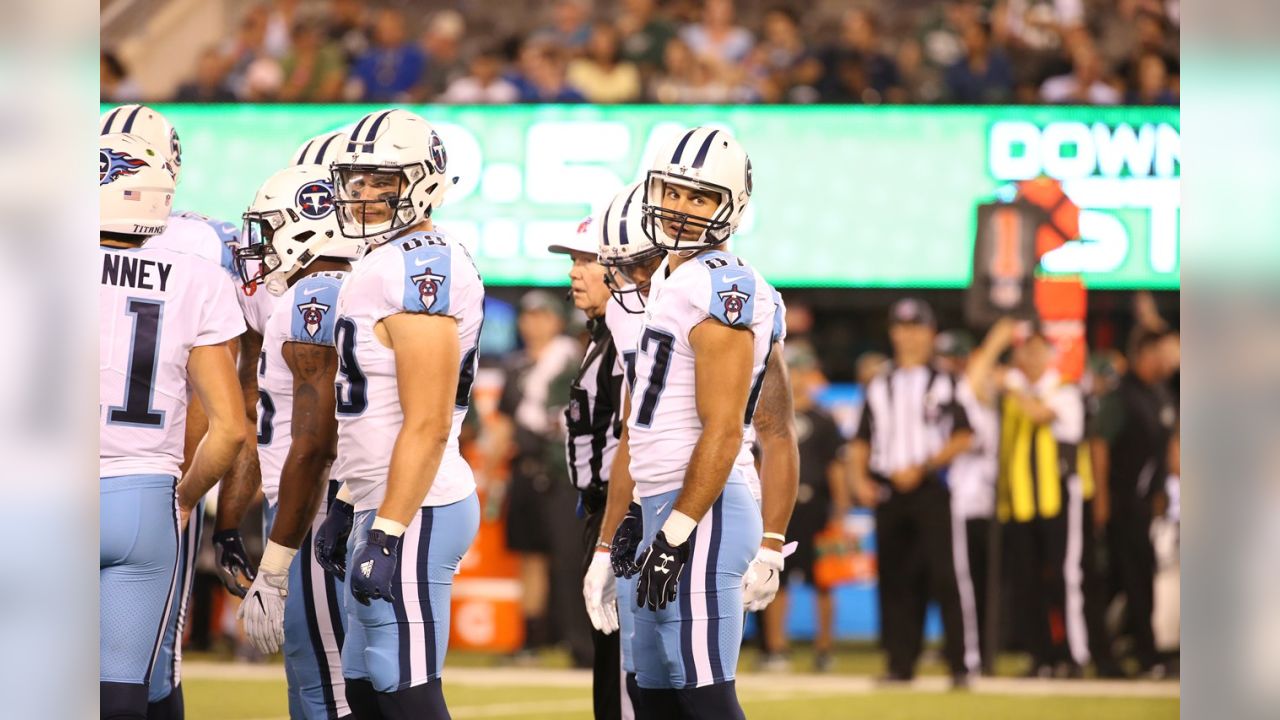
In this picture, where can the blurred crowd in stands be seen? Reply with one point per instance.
(1098, 52)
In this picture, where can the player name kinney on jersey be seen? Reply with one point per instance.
(306, 313)
(216, 241)
(154, 306)
(664, 426)
(424, 272)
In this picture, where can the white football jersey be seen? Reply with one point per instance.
(216, 241)
(154, 305)
(663, 426)
(304, 314)
(423, 272)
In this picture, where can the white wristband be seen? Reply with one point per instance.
(390, 527)
(775, 536)
(678, 527)
(276, 558)
(344, 494)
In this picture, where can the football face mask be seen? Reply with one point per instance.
(685, 214)
(258, 258)
(628, 283)
(373, 201)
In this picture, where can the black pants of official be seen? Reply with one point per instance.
(913, 536)
(606, 667)
(1133, 569)
(1038, 553)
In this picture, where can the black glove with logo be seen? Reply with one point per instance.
(626, 540)
(660, 570)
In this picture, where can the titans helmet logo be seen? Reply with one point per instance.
(438, 156)
(312, 313)
(315, 199)
(734, 301)
(428, 286)
(112, 164)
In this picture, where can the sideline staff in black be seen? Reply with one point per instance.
(911, 428)
(1133, 427)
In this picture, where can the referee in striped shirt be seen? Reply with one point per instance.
(593, 429)
(910, 429)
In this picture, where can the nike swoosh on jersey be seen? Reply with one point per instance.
(662, 507)
(424, 263)
(735, 278)
(309, 293)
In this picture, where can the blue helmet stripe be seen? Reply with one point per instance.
(106, 129)
(702, 151)
(355, 134)
(675, 159)
(128, 124)
(622, 222)
(324, 148)
(373, 129)
(302, 156)
(604, 224)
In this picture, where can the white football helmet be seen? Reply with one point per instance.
(389, 175)
(149, 125)
(629, 259)
(320, 150)
(701, 159)
(292, 222)
(135, 187)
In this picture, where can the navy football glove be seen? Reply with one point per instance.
(374, 568)
(233, 560)
(660, 570)
(626, 540)
(331, 538)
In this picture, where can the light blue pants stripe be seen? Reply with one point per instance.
(694, 641)
(137, 572)
(400, 644)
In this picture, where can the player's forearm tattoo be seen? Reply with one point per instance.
(775, 414)
(313, 435)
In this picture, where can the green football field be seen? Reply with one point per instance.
(772, 697)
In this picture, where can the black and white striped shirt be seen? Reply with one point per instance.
(592, 417)
(907, 417)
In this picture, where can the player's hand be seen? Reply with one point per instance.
(660, 568)
(600, 591)
(375, 567)
(331, 538)
(263, 610)
(866, 492)
(760, 581)
(905, 481)
(626, 540)
(234, 561)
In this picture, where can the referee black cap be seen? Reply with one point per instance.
(911, 311)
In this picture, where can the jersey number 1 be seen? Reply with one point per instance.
(144, 356)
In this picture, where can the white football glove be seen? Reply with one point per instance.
(600, 591)
(760, 581)
(262, 609)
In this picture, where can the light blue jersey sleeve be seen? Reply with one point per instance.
(428, 277)
(732, 296)
(315, 309)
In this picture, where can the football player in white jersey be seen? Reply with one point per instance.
(166, 319)
(409, 317)
(709, 330)
(215, 241)
(240, 488)
(296, 249)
